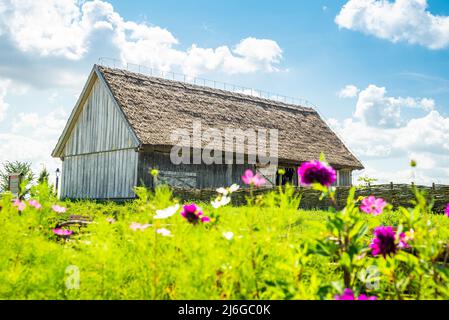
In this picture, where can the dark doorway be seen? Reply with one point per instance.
(288, 177)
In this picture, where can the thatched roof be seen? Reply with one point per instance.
(155, 107)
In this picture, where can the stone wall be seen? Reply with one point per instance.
(397, 195)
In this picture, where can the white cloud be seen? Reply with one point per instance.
(49, 126)
(424, 139)
(32, 139)
(48, 27)
(18, 147)
(4, 84)
(376, 109)
(350, 91)
(397, 21)
(428, 134)
(68, 28)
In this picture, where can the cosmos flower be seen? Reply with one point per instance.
(110, 220)
(316, 172)
(227, 191)
(35, 204)
(138, 226)
(386, 243)
(193, 214)
(164, 232)
(221, 201)
(58, 209)
(228, 235)
(63, 232)
(373, 205)
(20, 205)
(446, 211)
(249, 178)
(234, 188)
(349, 295)
(166, 213)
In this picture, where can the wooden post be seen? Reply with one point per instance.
(14, 181)
(433, 186)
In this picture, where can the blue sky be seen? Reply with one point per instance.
(394, 55)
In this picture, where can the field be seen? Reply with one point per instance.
(265, 250)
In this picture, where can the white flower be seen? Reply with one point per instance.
(228, 235)
(234, 188)
(227, 191)
(166, 213)
(164, 232)
(220, 202)
(223, 191)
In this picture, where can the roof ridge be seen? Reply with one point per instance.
(196, 87)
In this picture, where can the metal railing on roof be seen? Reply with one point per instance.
(169, 75)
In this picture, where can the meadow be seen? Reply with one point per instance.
(156, 248)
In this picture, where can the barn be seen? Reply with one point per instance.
(123, 123)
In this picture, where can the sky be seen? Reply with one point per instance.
(378, 71)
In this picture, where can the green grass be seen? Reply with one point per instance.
(271, 256)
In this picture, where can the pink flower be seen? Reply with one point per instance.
(137, 226)
(110, 220)
(20, 205)
(249, 178)
(373, 205)
(63, 232)
(35, 204)
(349, 295)
(316, 172)
(446, 211)
(58, 209)
(193, 214)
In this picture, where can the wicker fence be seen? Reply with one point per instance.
(396, 194)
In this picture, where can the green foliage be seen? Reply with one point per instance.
(44, 176)
(276, 251)
(366, 181)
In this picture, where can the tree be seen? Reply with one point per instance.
(367, 181)
(44, 176)
(9, 168)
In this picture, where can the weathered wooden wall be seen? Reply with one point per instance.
(188, 175)
(106, 175)
(100, 127)
(100, 158)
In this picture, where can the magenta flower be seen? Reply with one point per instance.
(63, 232)
(446, 211)
(386, 243)
(373, 205)
(316, 172)
(20, 205)
(137, 226)
(35, 204)
(251, 179)
(58, 209)
(349, 295)
(193, 214)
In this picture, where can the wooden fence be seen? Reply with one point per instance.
(396, 194)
